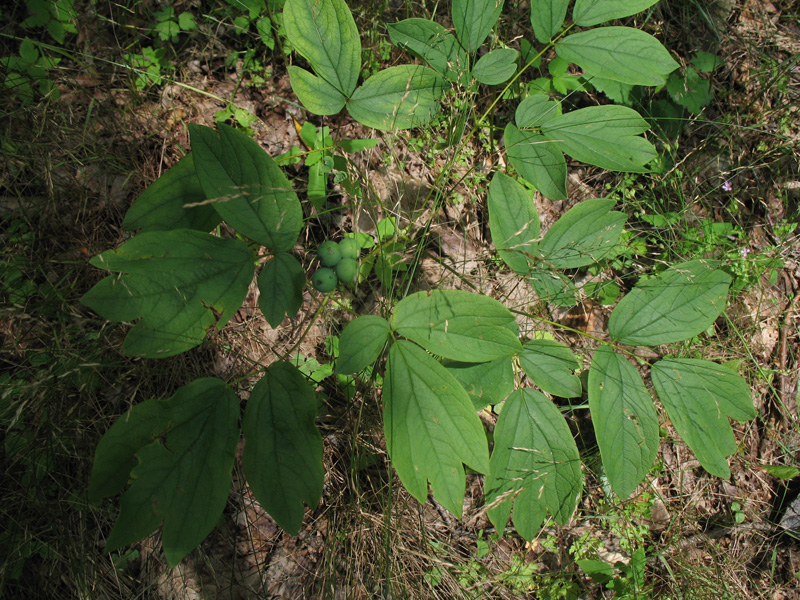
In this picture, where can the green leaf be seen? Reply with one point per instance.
(183, 478)
(280, 285)
(592, 12)
(553, 287)
(705, 62)
(431, 427)
(586, 233)
(535, 464)
(619, 53)
(606, 136)
(496, 67)
(250, 191)
(357, 145)
(782, 472)
(399, 97)
(538, 160)
(166, 204)
(474, 19)
(624, 418)
(547, 17)
(325, 34)
(457, 324)
(536, 110)
(283, 449)
(672, 306)
(431, 42)
(513, 221)
(486, 383)
(315, 93)
(361, 343)
(699, 396)
(179, 283)
(551, 366)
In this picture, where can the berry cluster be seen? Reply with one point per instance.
(339, 262)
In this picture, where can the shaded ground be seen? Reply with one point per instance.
(70, 169)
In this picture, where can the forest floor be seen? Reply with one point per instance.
(88, 122)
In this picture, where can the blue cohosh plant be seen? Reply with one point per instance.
(447, 352)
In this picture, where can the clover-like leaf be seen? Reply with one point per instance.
(624, 418)
(361, 343)
(673, 306)
(457, 324)
(179, 284)
(280, 286)
(182, 477)
(699, 396)
(173, 201)
(431, 427)
(535, 465)
(513, 221)
(283, 449)
(248, 188)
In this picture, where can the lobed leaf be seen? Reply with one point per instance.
(458, 325)
(513, 222)
(539, 160)
(249, 190)
(431, 42)
(623, 54)
(280, 285)
(535, 464)
(431, 427)
(399, 97)
(673, 306)
(283, 449)
(606, 136)
(486, 383)
(593, 12)
(361, 343)
(496, 67)
(173, 201)
(624, 419)
(586, 233)
(474, 19)
(183, 479)
(699, 396)
(325, 34)
(547, 17)
(179, 284)
(551, 366)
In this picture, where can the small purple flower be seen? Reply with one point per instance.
(744, 252)
(727, 186)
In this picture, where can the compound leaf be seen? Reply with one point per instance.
(280, 286)
(551, 366)
(431, 42)
(496, 67)
(699, 397)
(539, 160)
(673, 306)
(535, 464)
(399, 97)
(361, 343)
(593, 12)
(283, 449)
(316, 94)
(586, 233)
(623, 54)
(606, 136)
(458, 325)
(173, 201)
(474, 19)
(248, 188)
(547, 17)
(183, 478)
(536, 110)
(431, 427)
(486, 383)
(513, 221)
(325, 34)
(624, 418)
(179, 284)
